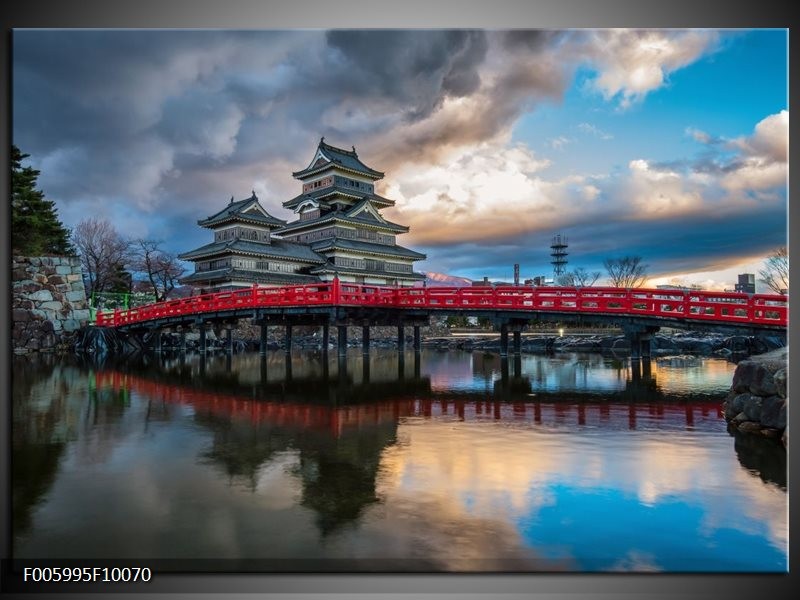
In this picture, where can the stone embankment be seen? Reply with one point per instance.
(663, 344)
(757, 402)
(48, 303)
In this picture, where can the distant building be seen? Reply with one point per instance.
(746, 284)
(339, 232)
(685, 288)
(540, 280)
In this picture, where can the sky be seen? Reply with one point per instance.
(667, 144)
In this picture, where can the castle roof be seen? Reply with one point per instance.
(366, 248)
(360, 214)
(275, 249)
(328, 157)
(322, 194)
(248, 210)
(234, 274)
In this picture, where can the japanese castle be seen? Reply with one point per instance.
(339, 232)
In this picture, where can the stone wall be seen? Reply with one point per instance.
(757, 402)
(48, 303)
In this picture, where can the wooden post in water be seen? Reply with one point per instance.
(326, 336)
(365, 368)
(365, 339)
(288, 339)
(401, 338)
(262, 347)
(504, 339)
(342, 340)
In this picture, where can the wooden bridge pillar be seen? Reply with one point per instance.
(517, 365)
(647, 372)
(417, 340)
(504, 339)
(326, 336)
(288, 363)
(262, 346)
(646, 345)
(401, 364)
(365, 339)
(635, 342)
(229, 339)
(401, 338)
(640, 340)
(183, 340)
(341, 335)
(202, 337)
(158, 341)
(288, 343)
(417, 365)
(365, 368)
(517, 342)
(636, 369)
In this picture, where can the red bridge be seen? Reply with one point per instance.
(640, 312)
(719, 307)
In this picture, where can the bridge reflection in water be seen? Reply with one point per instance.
(302, 391)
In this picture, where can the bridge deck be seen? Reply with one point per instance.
(725, 308)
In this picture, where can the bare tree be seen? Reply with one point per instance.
(626, 271)
(162, 269)
(584, 278)
(566, 280)
(775, 273)
(579, 277)
(104, 254)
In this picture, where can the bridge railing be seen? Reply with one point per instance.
(731, 307)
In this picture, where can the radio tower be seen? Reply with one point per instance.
(559, 254)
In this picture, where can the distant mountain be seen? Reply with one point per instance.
(440, 279)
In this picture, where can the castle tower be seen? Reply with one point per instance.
(338, 215)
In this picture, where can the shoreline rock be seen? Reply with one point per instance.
(758, 402)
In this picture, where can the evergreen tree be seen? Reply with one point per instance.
(35, 227)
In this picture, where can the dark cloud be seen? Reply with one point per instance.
(414, 69)
(149, 113)
(666, 245)
(530, 39)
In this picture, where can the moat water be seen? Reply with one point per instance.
(451, 461)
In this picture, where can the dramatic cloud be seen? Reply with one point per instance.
(159, 128)
(764, 158)
(633, 63)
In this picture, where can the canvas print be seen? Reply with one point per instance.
(400, 300)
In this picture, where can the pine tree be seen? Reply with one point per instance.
(35, 227)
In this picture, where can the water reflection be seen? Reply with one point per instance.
(456, 461)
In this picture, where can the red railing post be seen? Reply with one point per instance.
(255, 294)
(335, 290)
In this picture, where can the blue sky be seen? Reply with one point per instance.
(669, 144)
